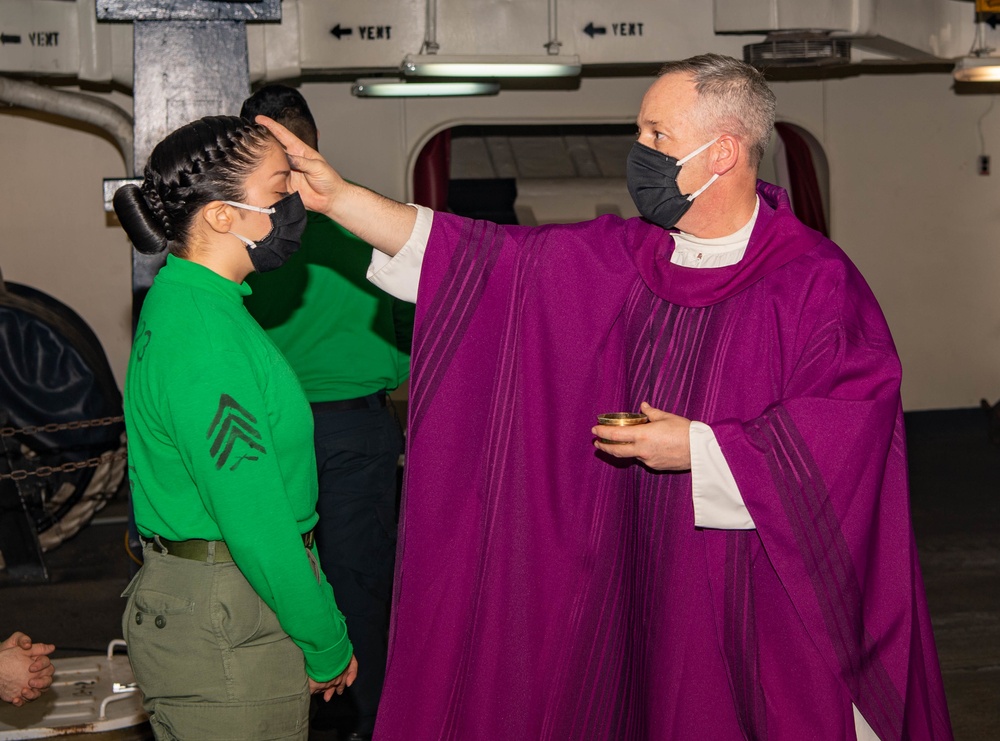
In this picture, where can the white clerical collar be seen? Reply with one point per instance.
(719, 252)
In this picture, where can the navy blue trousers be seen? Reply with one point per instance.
(357, 454)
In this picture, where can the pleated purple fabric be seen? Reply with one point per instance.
(544, 591)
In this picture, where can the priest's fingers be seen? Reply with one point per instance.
(315, 181)
(616, 441)
(292, 144)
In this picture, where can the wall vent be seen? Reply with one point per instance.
(798, 49)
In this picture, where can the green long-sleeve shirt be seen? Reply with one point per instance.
(343, 336)
(220, 448)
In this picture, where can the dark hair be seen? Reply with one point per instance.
(286, 106)
(206, 160)
(733, 96)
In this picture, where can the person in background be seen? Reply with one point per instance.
(230, 623)
(348, 343)
(25, 669)
(742, 566)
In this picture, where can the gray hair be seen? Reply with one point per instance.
(733, 97)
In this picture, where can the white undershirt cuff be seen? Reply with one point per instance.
(718, 503)
(399, 275)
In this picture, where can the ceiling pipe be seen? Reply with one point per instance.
(431, 45)
(554, 45)
(77, 106)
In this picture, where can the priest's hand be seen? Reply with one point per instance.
(663, 444)
(383, 223)
(312, 177)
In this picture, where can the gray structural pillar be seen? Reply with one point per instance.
(190, 60)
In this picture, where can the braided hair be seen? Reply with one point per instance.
(206, 160)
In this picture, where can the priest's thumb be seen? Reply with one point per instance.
(654, 414)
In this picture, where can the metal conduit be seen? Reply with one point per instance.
(77, 106)
(553, 44)
(431, 45)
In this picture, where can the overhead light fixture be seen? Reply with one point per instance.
(428, 63)
(977, 69)
(979, 65)
(444, 65)
(383, 88)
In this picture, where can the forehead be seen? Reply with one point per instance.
(669, 100)
(273, 164)
(274, 160)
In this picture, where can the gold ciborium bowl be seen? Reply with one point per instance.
(620, 419)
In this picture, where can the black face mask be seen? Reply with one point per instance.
(651, 177)
(288, 221)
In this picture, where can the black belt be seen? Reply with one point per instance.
(372, 401)
(197, 550)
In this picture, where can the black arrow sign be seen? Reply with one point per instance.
(591, 30)
(9, 39)
(340, 32)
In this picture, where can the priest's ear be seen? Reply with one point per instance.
(728, 150)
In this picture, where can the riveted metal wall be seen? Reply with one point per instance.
(190, 60)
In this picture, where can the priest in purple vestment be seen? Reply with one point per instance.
(741, 567)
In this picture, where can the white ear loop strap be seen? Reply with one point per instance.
(712, 179)
(702, 188)
(258, 209)
(682, 160)
(248, 242)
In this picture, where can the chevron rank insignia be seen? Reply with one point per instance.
(234, 434)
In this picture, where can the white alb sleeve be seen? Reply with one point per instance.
(399, 275)
(718, 503)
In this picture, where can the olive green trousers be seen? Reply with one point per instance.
(209, 656)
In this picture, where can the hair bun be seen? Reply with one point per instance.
(143, 228)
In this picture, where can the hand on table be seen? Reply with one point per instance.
(25, 669)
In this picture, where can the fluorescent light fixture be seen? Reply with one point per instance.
(378, 88)
(443, 65)
(977, 69)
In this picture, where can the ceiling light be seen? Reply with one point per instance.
(443, 65)
(378, 88)
(977, 69)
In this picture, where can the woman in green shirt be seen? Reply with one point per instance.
(230, 623)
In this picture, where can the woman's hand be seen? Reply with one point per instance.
(338, 684)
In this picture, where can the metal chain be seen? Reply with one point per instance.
(42, 471)
(79, 424)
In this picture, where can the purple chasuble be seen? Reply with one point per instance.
(544, 591)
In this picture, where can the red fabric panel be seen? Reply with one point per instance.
(807, 202)
(431, 174)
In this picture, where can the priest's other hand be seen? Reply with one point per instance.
(663, 444)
